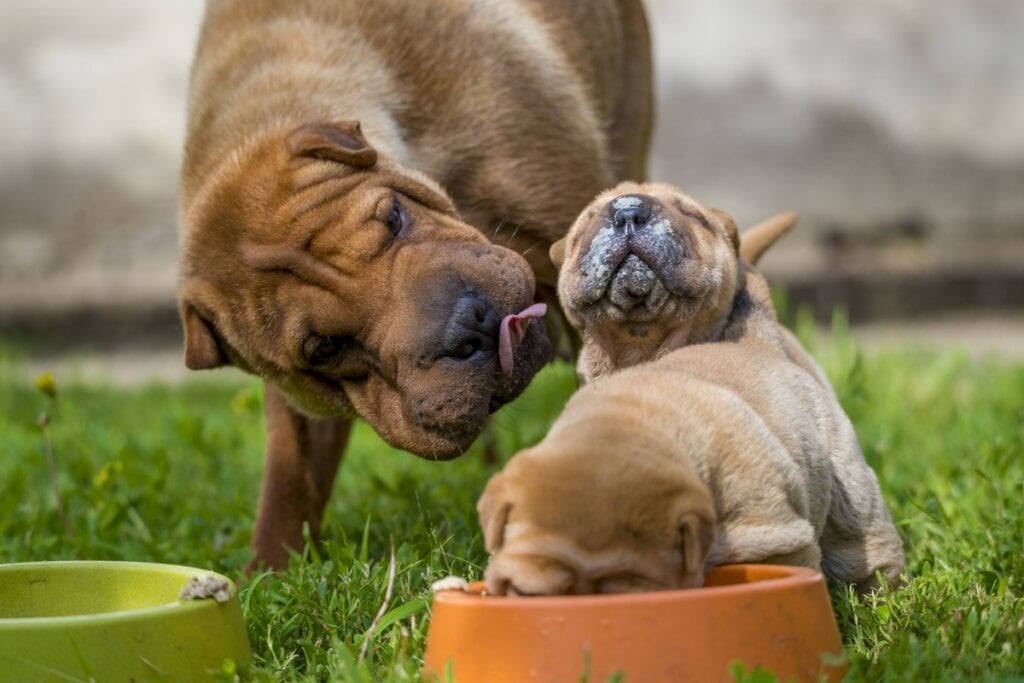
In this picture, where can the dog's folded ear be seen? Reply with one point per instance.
(557, 253)
(493, 509)
(697, 532)
(340, 141)
(202, 351)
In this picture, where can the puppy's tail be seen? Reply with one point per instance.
(756, 240)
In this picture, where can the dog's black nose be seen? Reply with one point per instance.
(631, 211)
(472, 329)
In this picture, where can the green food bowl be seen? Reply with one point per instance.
(116, 621)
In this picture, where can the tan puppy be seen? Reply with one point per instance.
(648, 269)
(346, 163)
(713, 453)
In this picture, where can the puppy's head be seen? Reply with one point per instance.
(581, 524)
(350, 282)
(648, 258)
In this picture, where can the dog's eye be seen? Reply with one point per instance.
(338, 357)
(319, 350)
(396, 218)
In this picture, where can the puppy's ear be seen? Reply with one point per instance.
(493, 509)
(557, 253)
(756, 240)
(730, 227)
(202, 352)
(697, 532)
(337, 141)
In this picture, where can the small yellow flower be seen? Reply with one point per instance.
(47, 384)
(113, 467)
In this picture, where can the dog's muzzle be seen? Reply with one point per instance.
(632, 283)
(628, 259)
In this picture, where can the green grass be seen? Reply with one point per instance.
(171, 474)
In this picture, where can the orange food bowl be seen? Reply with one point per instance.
(772, 616)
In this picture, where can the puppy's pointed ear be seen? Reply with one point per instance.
(697, 532)
(730, 228)
(756, 240)
(202, 352)
(341, 141)
(493, 508)
(557, 253)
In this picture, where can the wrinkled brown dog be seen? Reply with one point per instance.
(724, 442)
(346, 163)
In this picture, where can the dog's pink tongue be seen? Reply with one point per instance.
(513, 329)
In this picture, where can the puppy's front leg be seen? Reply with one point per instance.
(303, 455)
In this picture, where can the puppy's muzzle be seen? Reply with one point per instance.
(634, 251)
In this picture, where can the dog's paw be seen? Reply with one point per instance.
(450, 583)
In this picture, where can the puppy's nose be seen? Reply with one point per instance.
(631, 211)
(472, 329)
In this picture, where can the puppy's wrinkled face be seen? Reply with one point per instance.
(351, 283)
(556, 530)
(646, 255)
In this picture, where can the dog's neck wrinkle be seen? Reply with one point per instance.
(606, 351)
(298, 262)
(311, 194)
(614, 348)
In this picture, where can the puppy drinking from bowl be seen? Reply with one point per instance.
(705, 434)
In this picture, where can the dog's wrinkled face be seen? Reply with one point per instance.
(553, 528)
(646, 257)
(350, 282)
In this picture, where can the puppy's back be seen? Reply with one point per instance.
(748, 420)
(776, 449)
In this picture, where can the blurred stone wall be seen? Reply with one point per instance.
(91, 125)
(895, 127)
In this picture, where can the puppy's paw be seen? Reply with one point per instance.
(450, 583)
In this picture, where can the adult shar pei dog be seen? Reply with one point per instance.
(368, 196)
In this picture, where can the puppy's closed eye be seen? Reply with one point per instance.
(692, 212)
(533, 575)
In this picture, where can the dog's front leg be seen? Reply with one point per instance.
(303, 455)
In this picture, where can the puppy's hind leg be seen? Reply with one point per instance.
(857, 557)
(860, 541)
(806, 556)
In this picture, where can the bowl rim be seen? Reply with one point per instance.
(165, 610)
(787, 577)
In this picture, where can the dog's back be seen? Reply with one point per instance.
(505, 103)
(777, 451)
